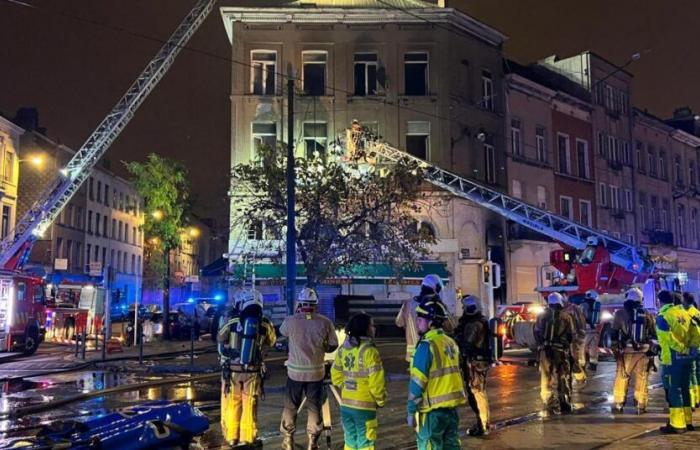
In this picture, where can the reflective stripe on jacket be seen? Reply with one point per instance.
(310, 336)
(358, 371)
(436, 380)
(673, 325)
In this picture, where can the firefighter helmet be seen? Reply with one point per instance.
(634, 294)
(555, 298)
(592, 294)
(471, 304)
(307, 300)
(433, 282)
(433, 310)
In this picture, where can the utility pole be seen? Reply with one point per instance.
(291, 201)
(166, 295)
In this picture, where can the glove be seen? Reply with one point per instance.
(411, 420)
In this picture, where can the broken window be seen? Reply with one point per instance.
(314, 76)
(315, 137)
(416, 73)
(263, 67)
(365, 73)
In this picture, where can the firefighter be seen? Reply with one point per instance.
(431, 288)
(358, 372)
(591, 312)
(578, 345)
(692, 307)
(554, 332)
(633, 342)
(242, 340)
(311, 336)
(472, 335)
(436, 387)
(676, 335)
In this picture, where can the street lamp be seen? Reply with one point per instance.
(157, 214)
(193, 232)
(37, 160)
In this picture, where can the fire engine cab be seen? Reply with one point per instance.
(22, 312)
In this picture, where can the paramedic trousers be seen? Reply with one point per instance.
(438, 429)
(676, 379)
(359, 428)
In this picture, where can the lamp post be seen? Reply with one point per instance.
(37, 160)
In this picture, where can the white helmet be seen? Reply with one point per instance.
(247, 298)
(634, 294)
(592, 240)
(307, 299)
(592, 294)
(471, 304)
(433, 282)
(555, 298)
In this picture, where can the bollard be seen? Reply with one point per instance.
(84, 345)
(104, 344)
(192, 346)
(140, 334)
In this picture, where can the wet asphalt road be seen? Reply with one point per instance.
(513, 394)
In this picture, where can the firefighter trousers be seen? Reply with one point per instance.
(578, 350)
(359, 428)
(438, 430)
(555, 368)
(591, 345)
(474, 373)
(631, 364)
(676, 379)
(294, 395)
(239, 407)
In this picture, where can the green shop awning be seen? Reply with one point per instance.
(361, 274)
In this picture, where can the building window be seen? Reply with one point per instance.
(104, 256)
(119, 260)
(89, 222)
(629, 200)
(8, 164)
(415, 73)
(615, 198)
(640, 156)
(79, 218)
(96, 258)
(264, 134)
(97, 224)
(626, 158)
(651, 160)
(121, 202)
(77, 256)
(541, 145)
(314, 75)
(111, 258)
(255, 230)
(490, 163)
(584, 208)
(516, 144)
(665, 210)
(138, 265)
(104, 226)
(565, 207)
(487, 90)
(602, 145)
(609, 104)
(642, 211)
(614, 151)
(517, 189)
(6, 216)
(133, 263)
(678, 170)
(99, 191)
(680, 225)
(88, 254)
(691, 173)
(262, 72)
(315, 137)
(542, 197)
(365, 68)
(563, 152)
(121, 227)
(418, 139)
(602, 194)
(91, 189)
(126, 232)
(582, 158)
(630, 238)
(106, 198)
(654, 210)
(662, 165)
(114, 228)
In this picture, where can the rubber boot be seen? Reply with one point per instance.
(288, 442)
(668, 429)
(313, 442)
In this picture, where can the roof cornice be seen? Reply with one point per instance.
(11, 125)
(361, 16)
(529, 87)
(686, 138)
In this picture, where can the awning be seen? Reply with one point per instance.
(215, 269)
(361, 274)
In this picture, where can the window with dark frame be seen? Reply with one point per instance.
(314, 72)
(315, 138)
(418, 139)
(365, 74)
(415, 73)
(263, 71)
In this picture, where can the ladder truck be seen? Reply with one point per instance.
(22, 296)
(588, 260)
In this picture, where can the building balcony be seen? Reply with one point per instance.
(659, 237)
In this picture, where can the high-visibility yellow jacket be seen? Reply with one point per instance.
(673, 329)
(358, 371)
(694, 314)
(436, 380)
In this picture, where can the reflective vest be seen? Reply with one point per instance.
(694, 314)
(442, 386)
(358, 371)
(673, 328)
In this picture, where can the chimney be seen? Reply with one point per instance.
(28, 118)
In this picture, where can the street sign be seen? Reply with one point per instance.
(60, 264)
(95, 268)
(192, 279)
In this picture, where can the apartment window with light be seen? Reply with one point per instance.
(584, 207)
(487, 90)
(565, 207)
(262, 72)
(662, 165)
(315, 138)
(563, 152)
(314, 72)
(629, 200)
(418, 139)
(541, 197)
(602, 194)
(640, 156)
(490, 163)
(541, 145)
(516, 145)
(415, 73)
(264, 134)
(365, 71)
(582, 158)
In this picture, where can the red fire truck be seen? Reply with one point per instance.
(22, 311)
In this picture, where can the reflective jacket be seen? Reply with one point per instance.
(358, 371)
(694, 314)
(472, 336)
(436, 379)
(673, 328)
(554, 329)
(229, 338)
(576, 313)
(311, 336)
(406, 319)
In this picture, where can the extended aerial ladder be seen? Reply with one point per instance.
(561, 229)
(15, 249)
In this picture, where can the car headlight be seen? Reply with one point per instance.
(606, 315)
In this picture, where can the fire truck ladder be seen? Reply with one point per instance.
(44, 211)
(557, 227)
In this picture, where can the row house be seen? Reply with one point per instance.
(10, 135)
(427, 78)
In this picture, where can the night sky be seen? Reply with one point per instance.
(74, 71)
